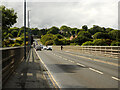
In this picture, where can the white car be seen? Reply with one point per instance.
(49, 48)
(44, 48)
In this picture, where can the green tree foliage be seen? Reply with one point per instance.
(8, 19)
(53, 30)
(85, 34)
(47, 37)
(100, 42)
(114, 35)
(60, 41)
(85, 27)
(108, 30)
(35, 31)
(88, 43)
(42, 32)
(50, 42)
(115, 43)
(14, 33)
(95, 29)
(59, 36)
(81, 39)
(101, 35)
(66, 31)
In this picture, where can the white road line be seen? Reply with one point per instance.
(60, 56)
(95, 70)
(65, 59)
(69, 60)
(80, 64)
(116, 78)
(72, 61)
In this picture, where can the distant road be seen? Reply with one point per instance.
(74, 71)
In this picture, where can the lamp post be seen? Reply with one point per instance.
(29, 27)
(24, 29)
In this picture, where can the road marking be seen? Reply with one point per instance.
(71, 61)
(116, 78)
(49, 74)
(80, 64)
(110, 63)
(65, 59)
(95, 70)
(60, 56)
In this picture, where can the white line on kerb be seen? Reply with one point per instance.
(116, 78)
(95, 70)
(80, 64)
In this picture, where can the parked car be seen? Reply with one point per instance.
(38, 48)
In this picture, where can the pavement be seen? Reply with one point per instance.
(71, 71)
(29, 74)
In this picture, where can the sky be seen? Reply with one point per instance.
(73, 13)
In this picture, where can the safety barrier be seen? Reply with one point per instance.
(108, 51)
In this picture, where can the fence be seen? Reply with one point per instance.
(11, 57)
(107, 51)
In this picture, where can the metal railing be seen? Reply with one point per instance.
(108, 51)
(11, 57)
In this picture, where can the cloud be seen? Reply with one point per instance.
(74, 13)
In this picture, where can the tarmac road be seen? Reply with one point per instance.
(75, 71)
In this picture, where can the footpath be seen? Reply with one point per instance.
(29, 74)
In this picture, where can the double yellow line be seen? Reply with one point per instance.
(110, 63)
(49, 74)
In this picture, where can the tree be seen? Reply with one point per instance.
(85, 27)
(100, 42)
(95, 29)
(84, 33)
(101, 35)
(47, 37)
(42, 32)
(8, 19)
(53, 30)
(114, 35)
(50, 42)
(87, 43)
(65, 30)
(115, 43)
(14, 33)
(81, 39)
(59, 36)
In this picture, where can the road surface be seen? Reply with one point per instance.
(75, 71)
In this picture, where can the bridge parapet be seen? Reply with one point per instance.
(108, 51)
(11, 57)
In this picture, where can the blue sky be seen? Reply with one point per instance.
(73, 13)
